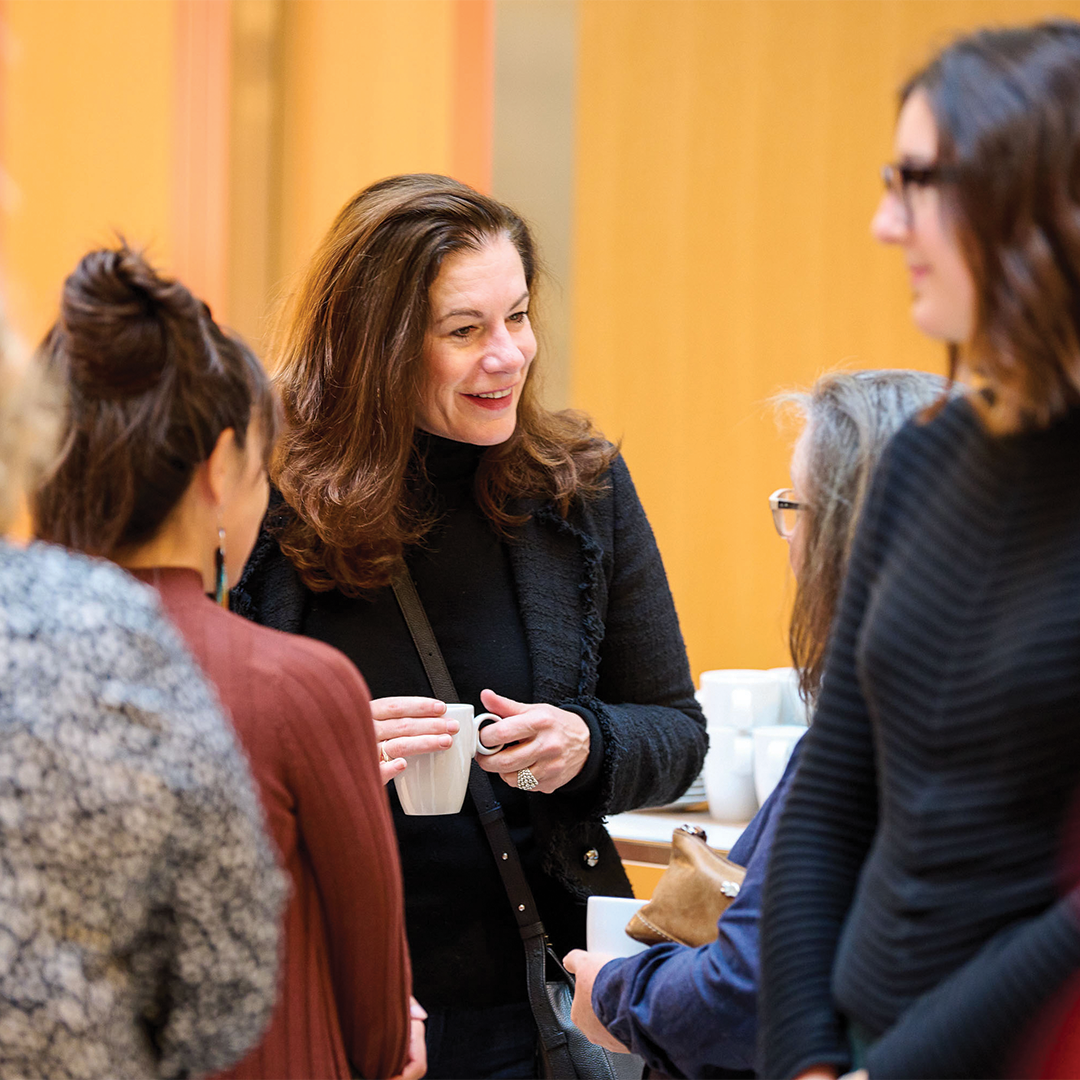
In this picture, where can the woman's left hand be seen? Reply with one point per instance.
(553, 744)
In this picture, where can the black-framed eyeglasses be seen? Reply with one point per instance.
(784, 511)
(900, 177)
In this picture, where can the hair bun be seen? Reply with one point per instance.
(113, 317)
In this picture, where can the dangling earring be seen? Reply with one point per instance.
(221, 589)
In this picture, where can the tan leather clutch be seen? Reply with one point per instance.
(692, 893)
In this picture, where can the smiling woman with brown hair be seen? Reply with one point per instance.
(350, 383)
(415, 440)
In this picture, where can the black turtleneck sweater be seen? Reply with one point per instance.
(465, 946)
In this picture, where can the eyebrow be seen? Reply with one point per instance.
(472, 313)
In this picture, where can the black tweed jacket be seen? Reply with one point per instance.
(602, 634)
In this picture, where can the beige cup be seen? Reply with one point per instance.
(436, 783)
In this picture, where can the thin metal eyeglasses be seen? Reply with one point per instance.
(901, 177)
(785, 511)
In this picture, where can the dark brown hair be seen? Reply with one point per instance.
(1006, 103)
(350, 370)
(152, 382)
(849, 419)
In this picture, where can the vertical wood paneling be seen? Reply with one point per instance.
(367, 92)
(728, 159)
(201, 133)
(534, 146)
(255, 154)
(86, 142)
(473, 89)
(6, 186)
(330, 96)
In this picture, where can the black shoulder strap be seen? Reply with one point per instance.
(505, 854)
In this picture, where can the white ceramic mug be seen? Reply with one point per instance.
(772, 751)
(436, 783)
(729, 774)
(605, 925)
(793, 709)
(742, 698)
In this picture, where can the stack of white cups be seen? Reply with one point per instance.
(754, 719)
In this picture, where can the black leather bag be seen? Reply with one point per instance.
(565, 1053)
(579, 1057)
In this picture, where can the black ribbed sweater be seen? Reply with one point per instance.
(915, 884)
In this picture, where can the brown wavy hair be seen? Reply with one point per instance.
(350, 369)
(1007, 107)
(151, 383)
(849, 418)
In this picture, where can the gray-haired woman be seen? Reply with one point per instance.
(693, 1012)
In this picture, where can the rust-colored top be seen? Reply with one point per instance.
(302, 713)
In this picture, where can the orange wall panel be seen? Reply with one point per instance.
(367, 93)
(85, 140)
(473, 89)
(728, 157)
(201, 136)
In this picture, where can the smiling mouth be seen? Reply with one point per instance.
(494, 401)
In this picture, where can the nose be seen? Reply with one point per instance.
(889, 225)
(503, 354)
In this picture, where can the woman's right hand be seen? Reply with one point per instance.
(405, 726)
(416, 1065)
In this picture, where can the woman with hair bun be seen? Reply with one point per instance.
(168, 430)
(140, 898)
(914, 919)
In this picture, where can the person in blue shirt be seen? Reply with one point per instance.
(692, 1012)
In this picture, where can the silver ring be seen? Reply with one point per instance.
(526, 780)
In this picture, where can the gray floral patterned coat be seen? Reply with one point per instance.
(139, 897)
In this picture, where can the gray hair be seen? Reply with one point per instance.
(850, 416)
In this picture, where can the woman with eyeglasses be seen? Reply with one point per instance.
(914, 919)
(693, 1012)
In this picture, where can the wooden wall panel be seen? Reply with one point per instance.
(472, 92)
(86, 140)
(367, 93)
(534, 169)
(201, 138)
(728, 158)
(330, 95)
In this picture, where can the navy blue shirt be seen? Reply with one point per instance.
(693, 1012)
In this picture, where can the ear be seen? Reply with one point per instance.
(221, 466)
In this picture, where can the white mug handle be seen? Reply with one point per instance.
(482, 721)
